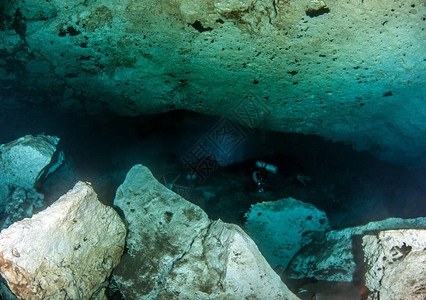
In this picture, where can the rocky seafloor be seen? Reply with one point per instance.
(154, 234)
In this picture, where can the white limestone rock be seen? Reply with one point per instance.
(396, 261)
(162, 227)
(24, 161)
(281, 228)
(331, 257)
(223, 263)
(176, 252)
(66, 251)
(229, 6)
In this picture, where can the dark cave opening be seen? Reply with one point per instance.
(351, 187)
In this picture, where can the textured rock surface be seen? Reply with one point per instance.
(162, 227)
(332, 258)
(20, 204)
(396, 261)
(67, 251)
(353, 73)
(224, 263)
(23, 163)
(280, 228)
(176, 252)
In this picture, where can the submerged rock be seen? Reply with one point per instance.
(396, 261)
(224, 263)
(21, 204)
(281, 228)
(162, 227)
(23, 163)
(66, 251)
(332, 257)
(176, 252)
(4, 191)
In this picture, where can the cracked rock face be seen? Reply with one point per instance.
(175, 251)
(396, 261)
(67, 251)
(331, 258)
(224, 263)
(349, 71)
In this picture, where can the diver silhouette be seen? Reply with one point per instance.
(262, 170)
(260, 174)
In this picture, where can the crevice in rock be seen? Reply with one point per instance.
(199, 27)
(168, 268)
(312, 12)
(19, 25)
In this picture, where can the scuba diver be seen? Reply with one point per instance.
(260, 174)
(262, 170)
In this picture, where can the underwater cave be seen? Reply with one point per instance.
(177, 151)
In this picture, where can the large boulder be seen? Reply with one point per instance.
(281, 228)
(162, 227)
(66, 251)
(23, 163)
(349, 71)
(176, 252)
(333, 256)
(224, 263)
(396, 262)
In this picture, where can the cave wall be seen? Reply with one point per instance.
(350, 71)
